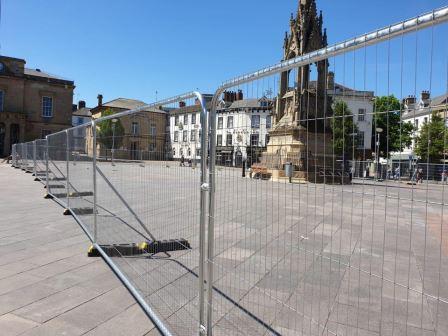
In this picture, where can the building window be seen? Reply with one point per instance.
(268, 121)
(255, 121)
(176, 120)
(254, 140)
(2, 99)
(360, 139)
(45, 133)
(185, 136)
(152, 147)
(198, 152)
(219, 140)
(193, 118)
(79, 121)
(425, 120)
(47, 107)
(134, 128)
(152, 130)
(193, 135)
(263, 103)
(186, 119)
(200, 135)
(229, 140)
(220, 122)
(230, 122)
(361, 114)
(189, 152)
(267, 138)
(176, 136)
(416, 123)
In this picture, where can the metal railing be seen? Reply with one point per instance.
(288, 226)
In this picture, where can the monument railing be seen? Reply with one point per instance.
(291, 222)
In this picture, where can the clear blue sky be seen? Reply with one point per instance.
(133, 48)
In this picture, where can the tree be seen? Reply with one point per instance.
(344, 130)
(432, 143)
(105, 131)
(396, 134)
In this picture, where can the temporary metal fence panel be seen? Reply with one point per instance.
(321, 220)
(40, 160)
(57, 152)
(147, 193)
(80, 171)
(299, 242)
(24, 158)
(29, 168)
(14, 156)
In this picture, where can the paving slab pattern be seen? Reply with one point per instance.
(48, 285)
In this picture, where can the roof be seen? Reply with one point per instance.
(41, 74)
(130, 104)
(440, 100)
(246, 103)
(83, 112)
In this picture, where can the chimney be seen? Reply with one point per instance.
(182, 104)
(81, 104)
(425, 98)
(240, 95)
(100, 100)
(409, 102)
(74, 107)
(330, 80)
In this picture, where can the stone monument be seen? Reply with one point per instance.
(301, 132)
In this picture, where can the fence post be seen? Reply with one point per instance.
(211, 209)
(95, 228)
(67, 180)
(203, 216)
(47, 173)
(34, 159)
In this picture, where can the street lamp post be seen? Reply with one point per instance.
(379, 130)
(114, 121)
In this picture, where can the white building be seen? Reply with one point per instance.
(360, 104)
(185, 131)
(242, 129)
(418, 112)
(80, 116)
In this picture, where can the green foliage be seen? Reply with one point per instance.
(432, 142)
(105, 131)
(396, 134)
(344, 130)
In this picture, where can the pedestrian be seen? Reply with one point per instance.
(397, 173)
(182, 161)
(444, 176)
(420, 175)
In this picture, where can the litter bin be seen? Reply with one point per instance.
(289, 170)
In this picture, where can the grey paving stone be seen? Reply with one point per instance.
(11, 325)
(48, 285)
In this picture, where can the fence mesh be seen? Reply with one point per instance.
(320, 225)
(327, 193)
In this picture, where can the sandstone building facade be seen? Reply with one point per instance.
(33, 103)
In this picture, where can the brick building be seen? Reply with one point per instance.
(32, 103)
